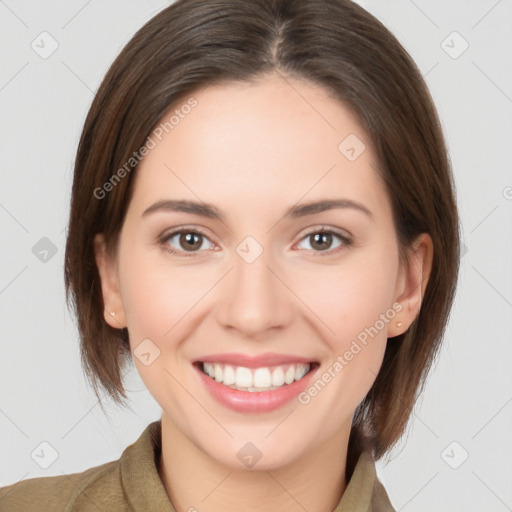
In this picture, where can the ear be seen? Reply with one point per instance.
(109, 277)
(411, 283)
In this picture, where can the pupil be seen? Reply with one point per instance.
(322, 237)
(189, 237)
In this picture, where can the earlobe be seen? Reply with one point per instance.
(412, 283)
(114, 311)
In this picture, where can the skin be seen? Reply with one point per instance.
(253, 151)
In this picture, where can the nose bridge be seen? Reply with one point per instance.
(254, 299)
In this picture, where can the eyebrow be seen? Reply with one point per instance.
(212, 212)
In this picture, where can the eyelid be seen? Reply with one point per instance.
(344, 234)
(187, 228)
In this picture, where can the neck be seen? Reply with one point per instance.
(196, 482)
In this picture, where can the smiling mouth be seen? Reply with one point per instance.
(266, 378)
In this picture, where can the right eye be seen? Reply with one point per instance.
(192, 239)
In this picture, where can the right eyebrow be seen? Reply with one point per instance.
(203, 209)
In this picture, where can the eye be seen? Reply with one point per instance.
(321, 240)
(187, 241)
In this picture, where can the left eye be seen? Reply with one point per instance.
(322, 240)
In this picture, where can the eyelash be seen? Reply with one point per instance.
(347, 242)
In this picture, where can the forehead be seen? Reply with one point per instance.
(276, 140)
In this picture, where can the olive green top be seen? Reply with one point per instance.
(132, 484)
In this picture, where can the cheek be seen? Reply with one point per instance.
(354, 303)
(157, 295)
(351, 297)
(157, 298)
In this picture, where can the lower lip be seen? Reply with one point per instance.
(257, 401)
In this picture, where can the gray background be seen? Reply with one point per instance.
(457, 453)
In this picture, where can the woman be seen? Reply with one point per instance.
(263, 218)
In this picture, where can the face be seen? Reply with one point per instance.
(255, 280)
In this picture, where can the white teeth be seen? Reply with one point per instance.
(289, 376)
(259, 379)
(262, 378)
(243, 377)
(229, 375)
(208, 368)
(278, 376)
(301, 370)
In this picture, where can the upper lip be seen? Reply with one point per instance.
(248, 361)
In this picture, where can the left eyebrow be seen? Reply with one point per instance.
(315, 207)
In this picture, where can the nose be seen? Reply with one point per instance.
(254, 299)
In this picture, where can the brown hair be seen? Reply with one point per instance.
(333, 43)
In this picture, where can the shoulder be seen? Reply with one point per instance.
(97, 488)
(113, 486)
